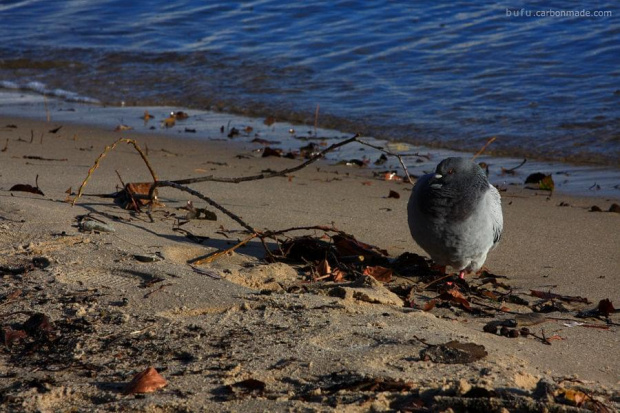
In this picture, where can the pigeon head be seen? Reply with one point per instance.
(458, 174)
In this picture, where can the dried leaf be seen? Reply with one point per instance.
(338, 275)
(379, 273)
(614, 208)
(394, 194)
(456, 297)
(146, 381)
(573, 396)
(347, 246)
(606, 308)
(180, 115)
(147, 115)
(391, 176)
(544, 182)
(323, 268)
(268, 151)
(547, 184)
(132, 196)
(535, 178)
(270, 120)
(38, 324)
(429, 305)
(55, 130)
(10, 335)
(27, 188)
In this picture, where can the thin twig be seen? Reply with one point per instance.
(490, 141)
(400, 159)
(103, 154)
(316, 118)
(515, 168)
(208, 200)
(212, 257)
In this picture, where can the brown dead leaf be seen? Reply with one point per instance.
(147, 115)
(268, 151)
(270, 120)
(10, 335)
(180, 115)
(605, 307)
(338, 275)
(429, 305)
(27, 188)
(132, 196)
(169, 122)
(323, 268)
(393, 194)
(379, 273)
(456, 297)
(391, 176)
(347, 246)
(146, 381)
(573, 397)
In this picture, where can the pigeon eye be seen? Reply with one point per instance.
(451, 171)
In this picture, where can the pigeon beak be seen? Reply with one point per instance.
(436, 184)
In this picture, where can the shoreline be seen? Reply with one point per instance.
(210, 335)
(570, 179)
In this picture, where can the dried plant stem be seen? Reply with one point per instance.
(212, 257)
(399, 157)
(103, 154)
(490, 141)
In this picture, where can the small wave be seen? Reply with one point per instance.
(42, 89)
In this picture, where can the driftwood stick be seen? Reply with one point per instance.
(205, 198)
(283, 172)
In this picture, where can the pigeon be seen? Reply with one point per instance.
(455, 215)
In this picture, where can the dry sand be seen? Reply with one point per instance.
(262, 338)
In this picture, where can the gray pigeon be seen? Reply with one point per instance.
(455, 215)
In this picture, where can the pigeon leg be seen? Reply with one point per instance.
(462, 274)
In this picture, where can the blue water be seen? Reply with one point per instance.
(448, 75)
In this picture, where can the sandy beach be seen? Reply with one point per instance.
(243, 334)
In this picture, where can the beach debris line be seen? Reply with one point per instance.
(28, 188)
